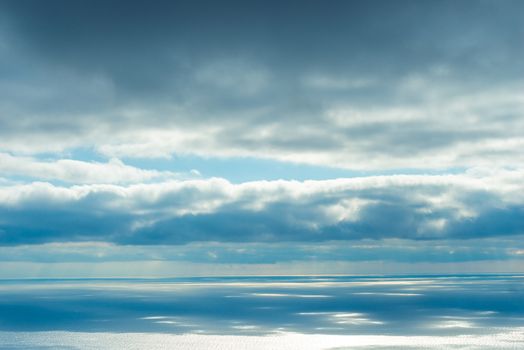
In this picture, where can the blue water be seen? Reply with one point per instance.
(439, 306)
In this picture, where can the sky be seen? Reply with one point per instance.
(145, 139)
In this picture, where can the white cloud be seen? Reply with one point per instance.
(75, 171)
(325, 82)
(403, 206)
(421, 134)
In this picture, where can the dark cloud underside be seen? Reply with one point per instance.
(236, 77)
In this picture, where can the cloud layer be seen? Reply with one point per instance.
(473, 205)
(360, 85)
(105, 107)
(75, 171)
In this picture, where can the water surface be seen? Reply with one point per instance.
(325, 312)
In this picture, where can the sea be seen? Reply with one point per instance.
(265, 312)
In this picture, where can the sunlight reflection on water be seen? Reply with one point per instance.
(510, 339)
(417, 312)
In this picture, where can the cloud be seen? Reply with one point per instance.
(348, 85)
(466, 206)
(79, 172)
(370, 88)
(385, 250)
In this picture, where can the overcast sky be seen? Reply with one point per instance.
(262, 136)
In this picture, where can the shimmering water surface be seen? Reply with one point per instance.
(328, 312)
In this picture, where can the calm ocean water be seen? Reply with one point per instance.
(327, 312)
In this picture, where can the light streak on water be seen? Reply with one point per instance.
(317, 313)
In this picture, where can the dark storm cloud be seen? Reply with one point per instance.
(116, 37)
(237, 77)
